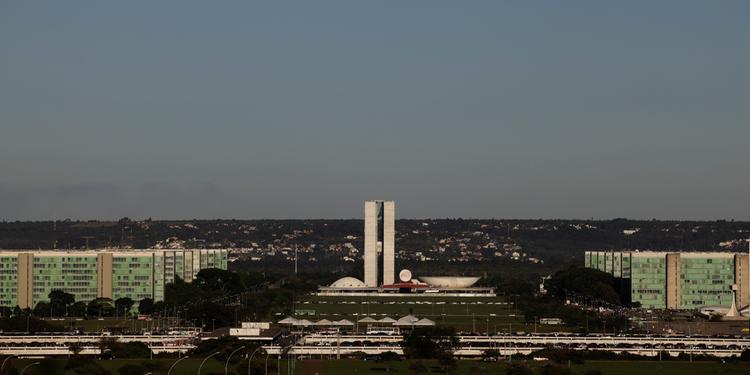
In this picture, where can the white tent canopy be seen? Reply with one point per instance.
(342, 322)
(303, 323)
(408, 320)
(323, 322)
(387, 320)
(367, 320)
(288, 320)
(424, 322)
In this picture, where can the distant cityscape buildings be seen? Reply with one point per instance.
(687, 280)
(27, 277)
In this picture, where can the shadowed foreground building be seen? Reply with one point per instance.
(688, 280)
(27, 277)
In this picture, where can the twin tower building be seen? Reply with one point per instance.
(380, 241)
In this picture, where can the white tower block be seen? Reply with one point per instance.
(389, 242)
(371, 244)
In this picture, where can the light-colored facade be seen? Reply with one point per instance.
(380, 242)
(677, 280)
(371, 243)
(27, 277)
(389, 242)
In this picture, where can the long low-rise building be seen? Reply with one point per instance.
(90, 344)
(673, 280)
(27, 277)
(478, 345)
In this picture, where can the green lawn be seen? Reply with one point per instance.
(312, 367)
(479, 314)
(185, 367)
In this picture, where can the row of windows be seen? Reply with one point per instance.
(41, 287)
(125, 283)
(713, 292)
(80, 277)
(649, 291)
(712, 275)
(80, 291)
(701, 282)
(132, 259)
(136, 297)
(135, 277)
(76, 265)
(132, 265)
(79, 272)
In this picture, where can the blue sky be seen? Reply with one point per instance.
(509, 109)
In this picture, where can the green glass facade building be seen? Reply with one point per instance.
(27, 277)
(677, 280)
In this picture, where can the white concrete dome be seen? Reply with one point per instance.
(348, 282)
(450, 281)
(404, 276)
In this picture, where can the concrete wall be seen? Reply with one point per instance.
(741, 277)
(673, 281)
(25, 280)
(104, 275)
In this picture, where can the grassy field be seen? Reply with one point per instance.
(312, 367)
(185, 367)
(478, 314)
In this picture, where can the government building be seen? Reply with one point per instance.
(672, 280)
(27, 277)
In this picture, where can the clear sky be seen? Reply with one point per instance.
(273, 109)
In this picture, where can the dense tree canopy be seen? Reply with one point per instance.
(586, 281)
(123, 305)
(430, 342)
(100, 307)
(60, 302)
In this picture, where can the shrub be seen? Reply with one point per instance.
(518, 369)
(131, 369)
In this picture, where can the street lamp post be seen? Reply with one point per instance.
(29, 365)
(250, 360)
(204, 361)
(175, 364)
(5, 360)
(267, 356)
(278, 360)
(226, 365)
